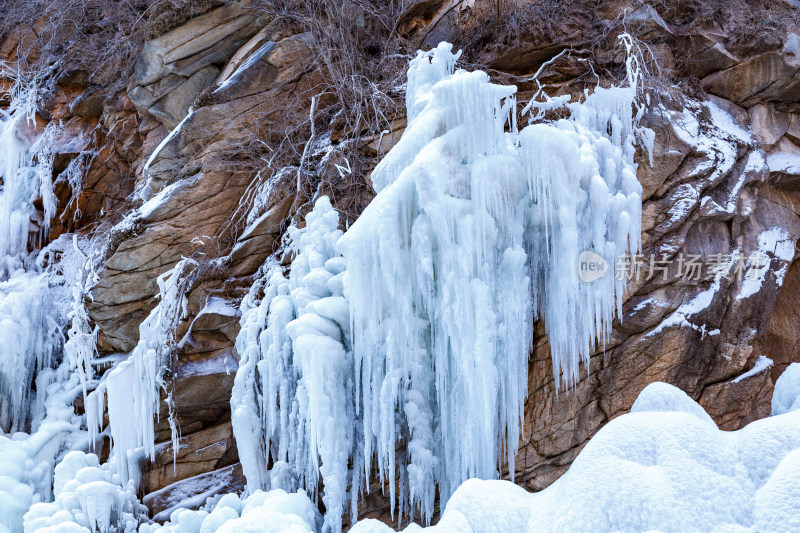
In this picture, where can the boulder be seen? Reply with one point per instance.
(769, 76)
(176, 67)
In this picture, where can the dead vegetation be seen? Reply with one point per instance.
(92, 42)
(360, 61)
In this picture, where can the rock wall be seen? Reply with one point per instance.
(172, 157)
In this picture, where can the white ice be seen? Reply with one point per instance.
(293, 394)
(133, 387)
(476, 229)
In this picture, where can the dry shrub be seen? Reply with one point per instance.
(165, 15)
(360, 63)
(76, 41)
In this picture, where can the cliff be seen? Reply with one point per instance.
(205, 129)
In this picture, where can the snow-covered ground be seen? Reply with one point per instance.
(664, 467)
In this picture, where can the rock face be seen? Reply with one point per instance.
(175, 68)
(724, 179)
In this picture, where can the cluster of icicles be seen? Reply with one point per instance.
(399, 347)
(412, 330)
(47, 345)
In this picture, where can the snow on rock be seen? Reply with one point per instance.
(774, 244)
(275, 511)
(191, 492)
(762, 363)
(663, 467)
(699, 302)
(784, 162)
(786, 396)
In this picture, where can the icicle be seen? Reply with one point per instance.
(134, 385)
(476, 229)
(433, 265)
(80, 347)
(292, 395)
(30, 325)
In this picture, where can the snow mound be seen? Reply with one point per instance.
(88, 498)
(262, 512)
(786, 397)
(662, 397)
(662, 467)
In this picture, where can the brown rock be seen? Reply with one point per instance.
(752, 394)
(201, 391)
(199, 452)
(793, 131)
(768, 124)
(710, 56)
(175, 68)
(193, 492)
(769, 76)
(781, 338)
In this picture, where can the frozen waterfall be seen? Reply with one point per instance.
(293, 395)
(418, 368)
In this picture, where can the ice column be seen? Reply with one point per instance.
(293, 393)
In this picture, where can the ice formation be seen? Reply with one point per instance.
(399, 346)
(27, 460)
(275, 511)
(134, 386)
(29, 331)
(664, 467)
(88, 497)
(44, 364)
(292, 397)
(477, 228)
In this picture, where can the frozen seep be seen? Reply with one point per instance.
(29, 318)
(292, 397)
(42, 291)
(134, 386)
(477, 228)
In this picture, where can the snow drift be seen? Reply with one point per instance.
(663, 467)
